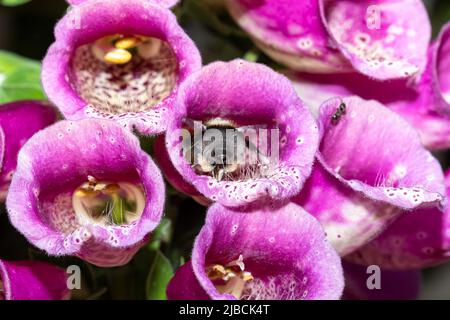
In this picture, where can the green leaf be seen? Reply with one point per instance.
(20, 78)
(12, 3)
(251, 56)
(159, 276)
(162, 233)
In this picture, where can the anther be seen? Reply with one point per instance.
(118, 56)
(127, 43)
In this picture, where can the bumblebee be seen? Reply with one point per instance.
(216, 158)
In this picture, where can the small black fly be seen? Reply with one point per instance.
(340, 111)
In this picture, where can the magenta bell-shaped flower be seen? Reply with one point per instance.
(119, 60)
(375, 38)
(371, 167)
(241, 97)
(86, 188)
(424, 104)
(277, 253)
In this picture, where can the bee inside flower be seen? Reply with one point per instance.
(226, 151)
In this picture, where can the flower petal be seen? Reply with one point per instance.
(138, 93)
(417, 104)
(171, 174)
(380, 39)
(363, 178)
(290, 32)
(440, 64)
(18, 122)
(349, 218)
(51, 167)
(419, 239)
(284, 249)
(247, 94)
(185, 286)
(376, 152)
(32, 280)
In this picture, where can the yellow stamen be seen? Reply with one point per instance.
(127, 43)
(247, 276)
(108, 203)
(84, 192)
(118, 56)
(230, 278)
(100, 186)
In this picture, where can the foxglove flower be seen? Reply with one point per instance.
(18, 122)
(251, 100)
(361, 283)
(120, 60)
(267, 254)
(425, 105)
(86, 188)
(32, 280)
(371, 166)
(419, 239)
(377, 39)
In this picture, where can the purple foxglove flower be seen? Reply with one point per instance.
(371, 166)
(249, 100)
(86, 188)
(394, 284)
(425, 105)
(32, 280)
(277, 253)
(18, 122)
(120, 60)
(418, 239)
(377, 39)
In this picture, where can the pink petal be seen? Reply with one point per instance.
(418, 239)
(380, 38)
(33, 280)
(246, 93)
(371, 166)
(284, 248)
(55, 162)
(290, 32)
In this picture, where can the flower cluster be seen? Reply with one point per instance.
(336, 170)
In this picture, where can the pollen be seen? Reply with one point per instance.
(127, 43)
(118, 56)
